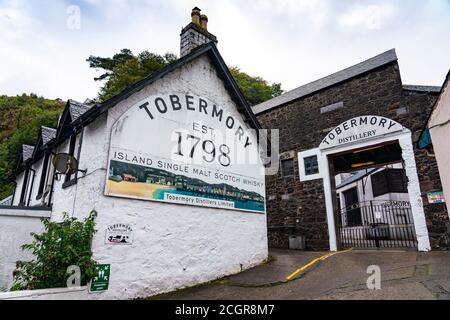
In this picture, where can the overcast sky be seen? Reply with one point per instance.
(43, 48)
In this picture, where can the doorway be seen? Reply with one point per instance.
(373, 208)
(355, 146)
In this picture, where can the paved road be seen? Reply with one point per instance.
(404, 276)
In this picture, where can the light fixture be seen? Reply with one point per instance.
(359, 165)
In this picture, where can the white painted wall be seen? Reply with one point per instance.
(440, 132)
(174, 246)
(15, 229)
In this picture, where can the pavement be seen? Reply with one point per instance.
(405, 275)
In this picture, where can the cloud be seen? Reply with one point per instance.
(372, 17)
(287, 41)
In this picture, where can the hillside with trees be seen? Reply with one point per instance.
(20, 120)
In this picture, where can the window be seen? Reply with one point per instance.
(23, 194)
(71, 179)
(43, 176)
(311, 165)
(287, 168)
(389, 181)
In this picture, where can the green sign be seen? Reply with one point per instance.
(100, 282)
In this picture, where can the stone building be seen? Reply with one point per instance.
(303, 204)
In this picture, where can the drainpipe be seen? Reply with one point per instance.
(32, 183)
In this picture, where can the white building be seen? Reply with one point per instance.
(435, 138)
(202, 217)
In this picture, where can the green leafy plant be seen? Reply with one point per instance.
(60, 245)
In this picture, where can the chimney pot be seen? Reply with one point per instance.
(195, 33)
(196, 16)
(204, 22)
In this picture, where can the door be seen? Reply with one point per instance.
(352, 210)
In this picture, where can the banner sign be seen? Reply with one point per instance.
(188, 150)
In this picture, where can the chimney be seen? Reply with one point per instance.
(195, 33)
(204, 22)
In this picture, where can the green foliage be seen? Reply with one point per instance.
(60, 246)
(255, 89)
(20, 120)
(124, 69)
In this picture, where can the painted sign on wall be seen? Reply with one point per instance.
(436, 197)
(186, 149)
(359, 129)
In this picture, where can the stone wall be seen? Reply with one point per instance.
(296, 208)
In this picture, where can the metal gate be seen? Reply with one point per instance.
(377, 224)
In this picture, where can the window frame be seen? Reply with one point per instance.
(301, 165)
(72, 179)
(282, 168)
(305, 165)
(44, 175)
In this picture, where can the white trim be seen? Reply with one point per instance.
(301, 165)
(404, 139)
(28, 213)
(36, 293)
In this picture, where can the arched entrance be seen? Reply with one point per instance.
(376, 153)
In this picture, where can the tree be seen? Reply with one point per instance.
(124, 69)
(255, 89)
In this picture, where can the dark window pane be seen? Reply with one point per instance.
(397, 181)
(287, 168)
(311, 166)
(379, 184)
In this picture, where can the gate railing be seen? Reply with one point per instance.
(376, 224)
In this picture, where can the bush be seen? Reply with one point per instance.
(60, 246)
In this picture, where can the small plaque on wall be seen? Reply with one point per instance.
(436, 197)
(119, 234)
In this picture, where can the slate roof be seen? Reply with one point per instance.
(434, 89)
(27, 152)
(336, 78)
(48, 134)
(77, 109)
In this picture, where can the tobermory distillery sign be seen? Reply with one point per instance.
(360, 129)
(186, 149)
